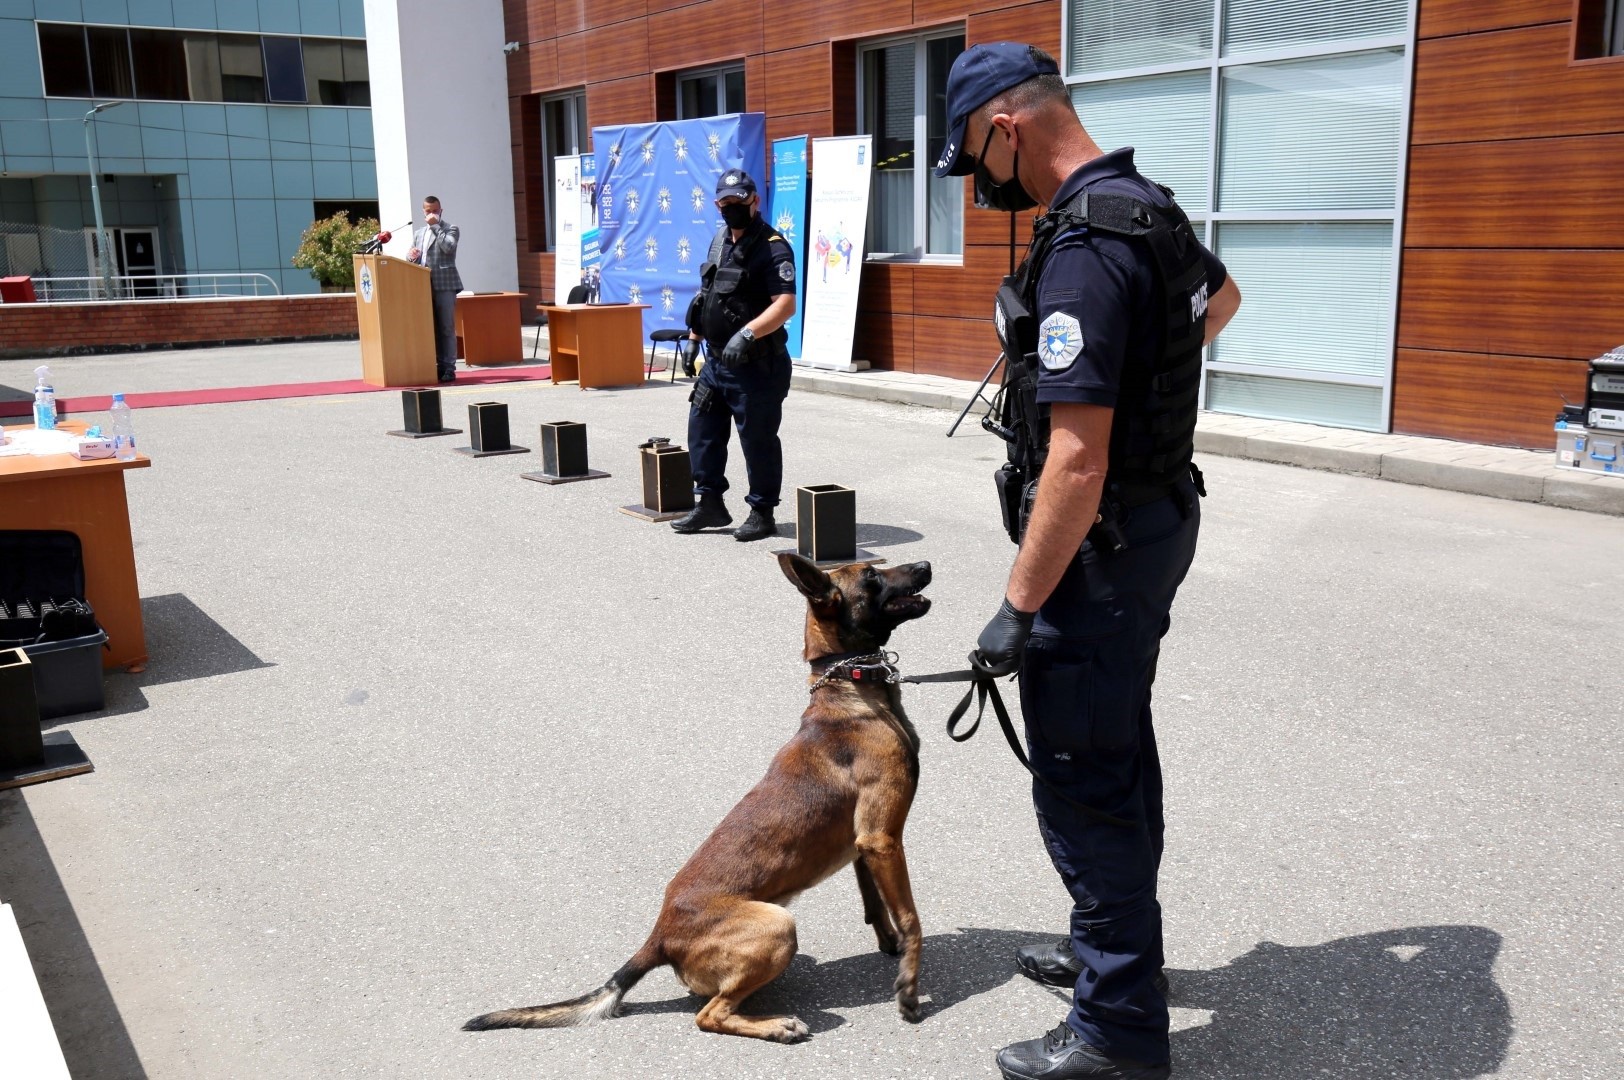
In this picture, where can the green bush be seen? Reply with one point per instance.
(328, 247)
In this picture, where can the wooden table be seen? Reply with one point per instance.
(488, 324)
(85, 498)
(596, 344)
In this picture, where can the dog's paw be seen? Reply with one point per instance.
(791, 1030)
(888, 943)
(908, 1006)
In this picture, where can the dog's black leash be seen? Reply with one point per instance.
(982, 688)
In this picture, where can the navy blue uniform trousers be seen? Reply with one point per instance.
(1085, 697)
(752, 398)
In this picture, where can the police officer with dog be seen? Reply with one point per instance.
(1102, 329)
(747, 296)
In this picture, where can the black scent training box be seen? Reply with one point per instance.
(20, 741)
(668, 478)
(826, 523)
(563, 448)
(422, 409)
(488, 427)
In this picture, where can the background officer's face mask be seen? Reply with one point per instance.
(1007, 195)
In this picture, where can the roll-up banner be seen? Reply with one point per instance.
(566, 226)
(787, 215)
(838, 221)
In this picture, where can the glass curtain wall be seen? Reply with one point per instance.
(1280, 124)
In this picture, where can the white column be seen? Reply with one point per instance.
(440, 127)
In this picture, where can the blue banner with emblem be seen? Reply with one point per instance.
(656, 190)
(787, 215)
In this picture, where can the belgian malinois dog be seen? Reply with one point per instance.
(837, 793)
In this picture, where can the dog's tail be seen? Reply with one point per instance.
(600, 1004)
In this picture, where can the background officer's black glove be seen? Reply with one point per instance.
(999, 648)
(738, 347)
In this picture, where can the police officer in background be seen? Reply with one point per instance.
(747, 296)
(1102, 329)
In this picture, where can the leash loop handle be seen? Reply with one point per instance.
(984, 687)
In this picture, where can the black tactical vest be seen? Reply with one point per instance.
(1153, 431)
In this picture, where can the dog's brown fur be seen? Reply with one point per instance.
(837, 793)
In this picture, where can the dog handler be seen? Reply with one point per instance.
(1102, 327)
(747, 297)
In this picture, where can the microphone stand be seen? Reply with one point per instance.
(980, 394)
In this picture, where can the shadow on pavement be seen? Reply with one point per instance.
(870, 535)
(185, 644)
(87, 1021)
(1413, 1004)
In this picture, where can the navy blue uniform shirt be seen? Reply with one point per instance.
(1097, 295)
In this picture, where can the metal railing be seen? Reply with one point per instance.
(64, 290)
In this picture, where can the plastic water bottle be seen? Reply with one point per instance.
(44, 400)
(123, 430)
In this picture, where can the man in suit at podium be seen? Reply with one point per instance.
(435, 246)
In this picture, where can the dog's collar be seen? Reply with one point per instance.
(877, 667)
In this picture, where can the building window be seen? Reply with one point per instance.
(190, 65)
(712, 92)
(242, 68)
(284, 70)
(111, 75)
(902, 102)
(160, 65)
(563, 132)
(1280, 125)
(67, 65)
(1600, 29)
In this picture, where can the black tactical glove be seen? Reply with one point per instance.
(998, 649)
(738, 347)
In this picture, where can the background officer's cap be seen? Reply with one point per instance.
(981, 73)
(734, 184)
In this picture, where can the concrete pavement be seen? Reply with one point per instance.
(422, 739)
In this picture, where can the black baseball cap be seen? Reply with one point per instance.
(734, 184)
(981, 73)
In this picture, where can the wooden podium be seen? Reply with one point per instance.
(394, 310)
(596, 344)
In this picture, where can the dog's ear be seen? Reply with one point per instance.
(813, 583)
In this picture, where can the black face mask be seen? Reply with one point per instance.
(1007, 195)
(737, 215)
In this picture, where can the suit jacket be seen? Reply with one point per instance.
(438, 244)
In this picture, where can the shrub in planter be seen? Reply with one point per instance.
(327, 248)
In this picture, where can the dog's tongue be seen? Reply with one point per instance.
(900, 605)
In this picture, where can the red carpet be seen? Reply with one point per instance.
(163, 399)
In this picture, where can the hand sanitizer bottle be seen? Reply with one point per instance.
(44, 400)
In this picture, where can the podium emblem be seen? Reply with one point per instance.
(365, 283)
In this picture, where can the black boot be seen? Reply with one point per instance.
(1063, 1055)
(758, 525)
(1057, 965)
(709, 514)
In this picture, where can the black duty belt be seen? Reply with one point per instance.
(982, 688)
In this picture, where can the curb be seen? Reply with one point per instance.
(1469, 468)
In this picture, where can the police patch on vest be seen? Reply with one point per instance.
(1060, 341)
(786, 271)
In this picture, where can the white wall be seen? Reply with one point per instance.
(440, 127)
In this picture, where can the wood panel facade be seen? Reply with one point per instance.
(800, 70)
(1514, 220)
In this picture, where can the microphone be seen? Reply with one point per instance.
(380, 239)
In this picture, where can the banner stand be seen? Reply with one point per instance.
(844, 167)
